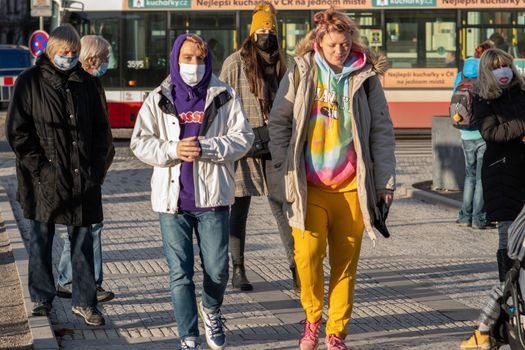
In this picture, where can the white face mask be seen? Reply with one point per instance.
(503, 75)
(192, 74)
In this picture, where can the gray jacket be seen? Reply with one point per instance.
(372, 131)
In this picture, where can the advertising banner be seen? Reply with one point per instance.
(420, 78)
(249, 5)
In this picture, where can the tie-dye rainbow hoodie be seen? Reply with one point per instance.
(331, 159)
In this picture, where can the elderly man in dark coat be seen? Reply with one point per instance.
(57, 128)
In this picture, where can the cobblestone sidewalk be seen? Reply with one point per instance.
(420, 289)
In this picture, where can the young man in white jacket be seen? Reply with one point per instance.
(192, 129)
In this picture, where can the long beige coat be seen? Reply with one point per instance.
(249, 172)
(373, 136)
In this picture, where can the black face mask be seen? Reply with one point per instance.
(267, 42)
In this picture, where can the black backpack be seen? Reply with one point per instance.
(461, 104)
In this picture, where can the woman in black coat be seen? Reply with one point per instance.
(58, 130)
(500, 113)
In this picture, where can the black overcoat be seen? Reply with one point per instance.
(502, 125)
(57, 127)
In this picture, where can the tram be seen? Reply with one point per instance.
(425, 41)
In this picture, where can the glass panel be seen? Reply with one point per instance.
(418, 39)
(474, 36)
(489, 18)
(370, 30)
(145, 62)
(293, 26)
(401, 41)
(365, 19)
(440, 44)
(108, 26)
(218, 29)
(519, 44)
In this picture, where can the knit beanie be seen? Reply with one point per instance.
(263, 17)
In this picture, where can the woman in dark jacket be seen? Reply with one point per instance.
(499, 111)
(57, 128)
(500, 114)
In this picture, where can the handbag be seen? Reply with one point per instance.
(260, 143)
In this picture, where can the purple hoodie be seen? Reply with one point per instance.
(189, 104)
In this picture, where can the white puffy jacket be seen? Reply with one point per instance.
(225, 136)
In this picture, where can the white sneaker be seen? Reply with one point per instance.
(189, 344)
(213, 324)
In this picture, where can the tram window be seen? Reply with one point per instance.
(144, 53)
(218, 29)
(502, 38)
(365, 19)
(488, 17)
(505, 28)
(419, 39)
(293, 26)
(370, 28)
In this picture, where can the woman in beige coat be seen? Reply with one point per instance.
(254, 72)
(332, 140)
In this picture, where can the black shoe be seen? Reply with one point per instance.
(64, 292)
(486, 226)
(463, 223)
(239, 279)
(104, 295)
(41, 308)
(90, 314)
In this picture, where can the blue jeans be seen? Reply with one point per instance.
(64, 267)
(41, 281)
(212, 230)
(472, 210)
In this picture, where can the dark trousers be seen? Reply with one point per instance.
(41, 281)
(238, 217)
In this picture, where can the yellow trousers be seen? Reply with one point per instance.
(333, 217)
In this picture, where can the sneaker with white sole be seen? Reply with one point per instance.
(190, 344)
(91, 315)
(214, 326)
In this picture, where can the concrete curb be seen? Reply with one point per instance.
(429, 197)
(40, 326)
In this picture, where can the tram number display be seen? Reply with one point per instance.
(135, 64)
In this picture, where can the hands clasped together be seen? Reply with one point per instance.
(189, 149)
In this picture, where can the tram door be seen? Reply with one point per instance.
(218, 29)
(420, 39)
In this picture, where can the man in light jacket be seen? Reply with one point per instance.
(192, 129)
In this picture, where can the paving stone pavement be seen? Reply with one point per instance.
(420, 289)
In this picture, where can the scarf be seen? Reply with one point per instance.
(268, 76)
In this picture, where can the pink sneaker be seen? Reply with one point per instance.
(333, 342)
(310, 337)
